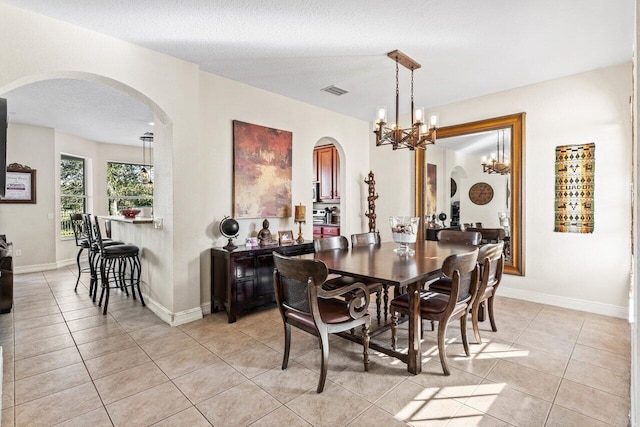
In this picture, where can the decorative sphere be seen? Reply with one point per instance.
(442, 216)
(229, 227)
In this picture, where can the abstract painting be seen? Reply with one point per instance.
(432, 188)
(574, 206)
(261, 171)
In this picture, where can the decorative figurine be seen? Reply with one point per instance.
(371, 213)
(264, 235)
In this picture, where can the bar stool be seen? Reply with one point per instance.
(116, 260)
(94, 253)
(82, 241)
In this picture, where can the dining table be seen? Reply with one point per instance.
(381, 264)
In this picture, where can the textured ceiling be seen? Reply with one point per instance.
(297, 47)
(92, 111)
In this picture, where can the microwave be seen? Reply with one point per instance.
(316, 191)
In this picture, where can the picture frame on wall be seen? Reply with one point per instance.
(285, 237)
(20, 185)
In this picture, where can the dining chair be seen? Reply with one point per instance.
(459, 237)
(303, 302)
(491, 264)
(442, 308)
(490, 235)
(369, 239)
(337, 281)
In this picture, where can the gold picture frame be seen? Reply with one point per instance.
(285, 237)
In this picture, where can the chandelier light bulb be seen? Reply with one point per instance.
(382, 114)
(434, 120)
(418, 115)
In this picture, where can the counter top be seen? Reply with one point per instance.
(324, 224)
(120, 218)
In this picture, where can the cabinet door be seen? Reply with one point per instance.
(244, 272)
(325, 172)
(264, 285)
(336, 173)
(330, 231)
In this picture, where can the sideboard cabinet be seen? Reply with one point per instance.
(243, 278)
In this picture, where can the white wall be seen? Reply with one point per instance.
(223, 100)
(27, 225)
(585, 271)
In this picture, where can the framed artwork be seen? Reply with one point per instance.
(261, 171)
(21, 185)
(432, 188)
(285, 237)
(575, 185)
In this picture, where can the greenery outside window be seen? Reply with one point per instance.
(125, 188)
(73, 196)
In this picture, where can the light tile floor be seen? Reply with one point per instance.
(67, 364)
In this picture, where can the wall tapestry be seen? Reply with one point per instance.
(261, 171)
(575, 185)
(432, 188)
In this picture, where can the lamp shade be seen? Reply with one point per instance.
(300, 213)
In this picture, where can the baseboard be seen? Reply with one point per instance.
(173, 319)
(206, 308)
(566, 302)
(36, 268)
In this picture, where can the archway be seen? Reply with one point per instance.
(330, 164)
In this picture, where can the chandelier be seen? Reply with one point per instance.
(497, 162)
(146, 138)
(419, 135)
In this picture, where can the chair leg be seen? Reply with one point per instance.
(491, 319)
(378, 305)
(386, 301)
(324, 338)
(365, 345)
(79, 269)
(138, 265)
(287, 346)
(474, 322)
(442, 334)
(463, 329)
(394, 328)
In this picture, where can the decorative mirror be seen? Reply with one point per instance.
(484, 160)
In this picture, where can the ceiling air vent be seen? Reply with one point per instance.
(334, 90)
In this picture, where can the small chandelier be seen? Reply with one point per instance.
(144, 174)
(497, 163)
(419, 135)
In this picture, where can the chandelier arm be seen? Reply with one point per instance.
(397, 95)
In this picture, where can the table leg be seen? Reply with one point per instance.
(414, 364)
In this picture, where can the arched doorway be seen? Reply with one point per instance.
(328, 176)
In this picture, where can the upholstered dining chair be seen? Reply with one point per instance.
(434, 306)
(459, 237)
(490, 235)
(369, 239)
(305, 304)
(337, 281)
(491, 264)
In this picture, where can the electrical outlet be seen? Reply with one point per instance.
(157, 223)
(18, 252)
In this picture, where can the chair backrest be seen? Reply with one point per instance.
(292, 278)
(491, 259)
(97, 234)
(107, 228)
(459, 237)
(330, 243)
(88, 228)
(462, 268)
(365, 239)
(490, 235)
(77, 224)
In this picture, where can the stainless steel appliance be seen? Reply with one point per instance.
(318, 216)
(316, 191)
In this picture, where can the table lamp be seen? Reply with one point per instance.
(299, 217)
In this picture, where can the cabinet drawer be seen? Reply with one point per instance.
(330, 231)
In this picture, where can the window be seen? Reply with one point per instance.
(73, 197)
(125, 188)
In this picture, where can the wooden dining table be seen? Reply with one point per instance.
(379, 263)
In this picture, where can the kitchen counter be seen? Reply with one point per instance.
(324, 224)
(120, 218)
